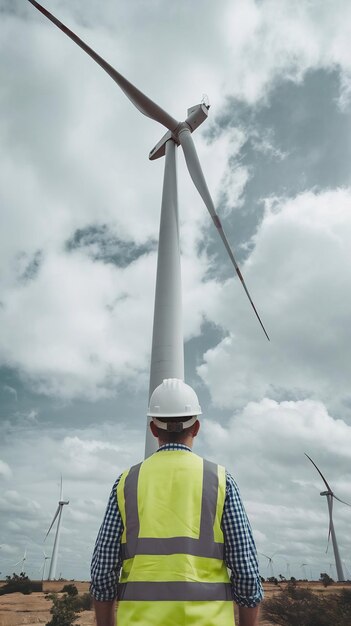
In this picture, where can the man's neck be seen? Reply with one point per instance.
(188, 442)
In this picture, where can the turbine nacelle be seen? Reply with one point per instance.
(196, 116)
(326, 493)
(62, 502)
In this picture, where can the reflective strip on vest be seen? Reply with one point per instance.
(204, 546)
(173, 591)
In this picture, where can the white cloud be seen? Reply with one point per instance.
(263, 447)
(235, 182)
(280, 40)
(93, 459)
(89, 459)
(13, 502)
(5, 469)
(299, 276)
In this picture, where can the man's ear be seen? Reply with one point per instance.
(195, 428)
(153, 429)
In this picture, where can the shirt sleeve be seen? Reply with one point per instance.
(240, 553)
(106, 561)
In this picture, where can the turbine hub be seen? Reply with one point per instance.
(196, 116)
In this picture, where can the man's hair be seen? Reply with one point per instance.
(166, 436)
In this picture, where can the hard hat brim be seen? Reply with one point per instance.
(164, 425)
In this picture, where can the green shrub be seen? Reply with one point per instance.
(63, 610)
(20, 583)
(70, 589)
(325, 579)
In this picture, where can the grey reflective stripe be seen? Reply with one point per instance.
(131, 508)
(173, 591)
(209, 501)
(204, 546)
(172, 545)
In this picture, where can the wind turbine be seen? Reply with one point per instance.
(303, 566)
(330, 497)
(43, 567)
(167, 355)
(58, 514)
(347, 570)
(22, 560)
(288, 573)
(270, 563)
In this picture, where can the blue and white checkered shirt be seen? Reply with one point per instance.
(239, 548)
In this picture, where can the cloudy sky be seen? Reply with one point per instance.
(80, 208)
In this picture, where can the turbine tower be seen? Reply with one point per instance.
(58, 514)
(167, 357)
(330, 497)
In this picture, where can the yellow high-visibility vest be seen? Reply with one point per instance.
(173, 573)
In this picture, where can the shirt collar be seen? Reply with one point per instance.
(174, 446)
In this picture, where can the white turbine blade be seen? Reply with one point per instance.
(198, 178)
(53, 521)
(320, 473)
(140, 101)
(61, 489)
(343, 501)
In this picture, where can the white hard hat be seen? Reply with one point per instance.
(174, 398)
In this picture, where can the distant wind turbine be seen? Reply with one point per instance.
(43, 567)
(347, 570)
(303, 566)
(270, 562)
(288, 573)
(167, 356)
(331, 568)
(58, 516)
(330, 495)
(22, 560)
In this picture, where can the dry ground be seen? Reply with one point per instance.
(17, 609)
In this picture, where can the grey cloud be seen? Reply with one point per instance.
(296, 140)
(101, 244)
(31, 266)
(10, 390)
